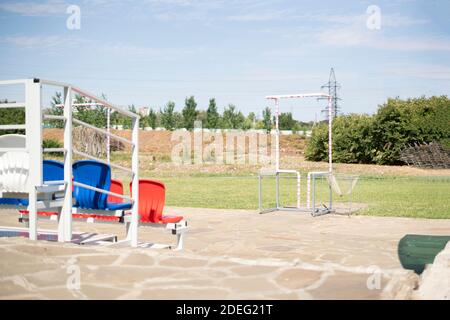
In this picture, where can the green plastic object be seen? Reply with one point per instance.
(415, 251)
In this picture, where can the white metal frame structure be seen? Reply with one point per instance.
(38, 191)
(311, 178)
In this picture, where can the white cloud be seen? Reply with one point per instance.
(397, 21)
(53, 43)
(428, 72)
(388, 20)
(357, 34)
(33, 42)
(257, 17)
(32, 8)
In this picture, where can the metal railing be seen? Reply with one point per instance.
(34, 137)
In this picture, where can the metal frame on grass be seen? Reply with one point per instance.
(311, 176)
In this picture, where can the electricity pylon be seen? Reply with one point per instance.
(333, 87)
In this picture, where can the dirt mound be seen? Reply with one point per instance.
(160, 142)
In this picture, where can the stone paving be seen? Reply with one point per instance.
(229, 254)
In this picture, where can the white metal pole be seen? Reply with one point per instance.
(298, 189)
(330, 146)
(33, 120)
(330, 135)
(308, 191)
(277, 135)
(133, 232)
(66, 213)
(108, 139)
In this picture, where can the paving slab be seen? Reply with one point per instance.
(228, 254)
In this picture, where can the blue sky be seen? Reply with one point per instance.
(147, 52)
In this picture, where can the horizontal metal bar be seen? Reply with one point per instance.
(53, 117)
(54, 182)
(88, 104)
(111, 213)
(49, 204)
(82, 185)
(318, 174)
(11, 82)
(106, 103)
(106, 133)
(13, 149)
(75, 151)
(12, 105)
(54, 83)
(50, 188)
(12, 127)
(53, 150)
(300, 95)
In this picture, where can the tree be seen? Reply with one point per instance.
(252, 117)
(212, 115)
(267, 121)
(202, 116)
(286, 121)
(189, 112)
(167, 116)
(56, 110)
(95, 116)
(178, 120)
(249, 122)
(151, 119)
(232, 119)
(126, 121)
(132, 108)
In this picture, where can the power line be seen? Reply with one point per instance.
(333, 86)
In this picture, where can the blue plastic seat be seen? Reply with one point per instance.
(14, 202)
(52, 171)
(98, 175)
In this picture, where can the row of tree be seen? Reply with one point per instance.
(168, 118)
(11, 116)
(381, 137)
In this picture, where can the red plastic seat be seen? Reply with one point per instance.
(116, 187)
(152, 197)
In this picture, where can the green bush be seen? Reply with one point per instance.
(12, 116)
(399, 123)
(51, 144)
(317, 148)
(380, 138)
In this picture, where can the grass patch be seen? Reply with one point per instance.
(418, 197)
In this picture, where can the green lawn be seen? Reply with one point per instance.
(423, 197)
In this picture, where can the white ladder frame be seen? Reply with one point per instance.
(33, 128)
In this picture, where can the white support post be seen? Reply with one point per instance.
(277, 136)
(133, 231)
(33, 116)
(330, 145)
(308, 191)
(108, 138)
(298, 189)
(65, 219)
(330, 135)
